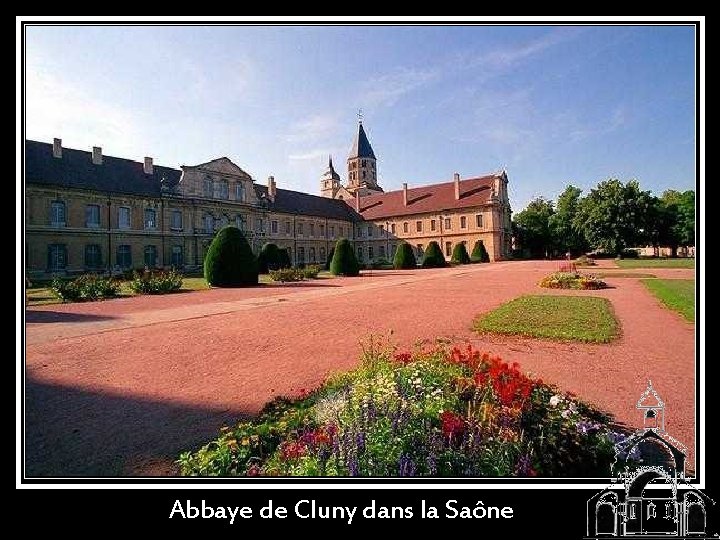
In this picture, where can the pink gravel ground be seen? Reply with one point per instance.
(121, 387)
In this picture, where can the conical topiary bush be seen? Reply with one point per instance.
(433, 257)
(269, 258)
(344, 262)
(229, 261)
(479, 253)
(404, 257)
(460, 254)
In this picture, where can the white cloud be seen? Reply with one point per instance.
(310, 155)
(314, 128)
(509, 56)
(388, 88)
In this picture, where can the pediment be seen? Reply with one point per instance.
(222, 165)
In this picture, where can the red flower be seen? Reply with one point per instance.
(253, 470)
(403, 357)
(452, 424)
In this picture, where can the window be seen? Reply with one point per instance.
(463, 222)
(287, 227)
(478, 221)
(360, 255)
(221, 189)
(632, 511)
(259, 225)
(92, 216)
(176, 257)
(448, 248)
(364, 163)
(289, 250)
(382, 229)
(392, 228)
(176, 220)
(405, 227)
(322, 231)
(301, 255)
(274, 227)
(208, 223)
(312, 254)
(300, 228)
(123, 217)
(382, 252)
(392, 250)
(150, 256)
(447, 224)
(342, 231)
(418, 226)
(240, 192)
(363, 174)
(370, 252)
(370, 231)
(57, 257)
(124, 256)
(240, 222)
(651, 513)
(322, 254)
(312, 229)
(150, 218)
(57, 214)
(332, 231)
(208, 187)
(93, 259)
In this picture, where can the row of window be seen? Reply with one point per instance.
(420, 250)
(219, 189)
(58, 257)
(447, 225)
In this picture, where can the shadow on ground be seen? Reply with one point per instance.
(37, 316)
(72, 432)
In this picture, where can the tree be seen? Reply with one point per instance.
(479, 253)
(565, 237)
(329, 259)
(229, 261)
(615, 216)
(433, 257)
(533, 228)
(681, 205)
(344, 262)
(284, 258)
(460, 254)
(269, 258)
(404, 257)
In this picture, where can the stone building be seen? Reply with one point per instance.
(85, 211)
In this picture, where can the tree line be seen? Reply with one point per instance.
(612, 217)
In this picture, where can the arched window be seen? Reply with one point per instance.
(312, 254)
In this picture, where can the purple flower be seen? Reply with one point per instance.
(523, 465)
(360, 442)
(406, 466)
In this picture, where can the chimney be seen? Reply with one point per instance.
(97, 155)
(357, 200)
(57, 148)
(272, 190)
(456, 178)
(404, 193)
(148, 165)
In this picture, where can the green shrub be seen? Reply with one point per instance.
(87, 287)
(404, 257)
(268, 258)
(287, 274)
(156, 282)
(460, 254)
(572, 280)
(311, 271)
(230, 261)
(328, 261)
(344, 262)
(284, 258)
(479, 253)
(433, 257)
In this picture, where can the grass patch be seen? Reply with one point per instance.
(676, 294)
(193, 284)
(623, 275)
(574, 318)
(656, 263)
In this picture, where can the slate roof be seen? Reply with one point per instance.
(297, 202)
(76, 170)
(426, 199)
(361, 146)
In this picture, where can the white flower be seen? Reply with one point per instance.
(565, 414)
(555, 400)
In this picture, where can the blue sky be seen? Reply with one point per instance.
(553, 105)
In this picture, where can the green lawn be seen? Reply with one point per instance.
(656, 263)
(622, 274)
(676, 294)
(574, 318)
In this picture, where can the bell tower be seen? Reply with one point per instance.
(361, 163)
(330, 181)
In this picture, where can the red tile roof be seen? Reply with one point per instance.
(426, 199)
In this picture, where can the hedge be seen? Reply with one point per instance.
(404, 257)
(344, 262)
(230, 261)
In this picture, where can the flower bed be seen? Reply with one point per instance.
(88, 287)
(434, 412)
(572, 280)
(156, 282)
(295, 274)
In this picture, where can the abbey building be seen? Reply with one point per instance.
(88, 212)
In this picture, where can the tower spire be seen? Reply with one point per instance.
(360, 116)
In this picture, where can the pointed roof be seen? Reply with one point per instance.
(649, 398)
(330, 173)
(361, 146)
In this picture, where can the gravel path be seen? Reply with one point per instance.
(121, 387)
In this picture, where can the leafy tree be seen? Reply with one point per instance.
(404, 257)
(230, 261)
(533, 227)
(479, 253)
(681, 205)
(269, 258)
(344, 261)
(460, 254)
(433, 257)
(615, 216)
(284, 258)
(565, 236)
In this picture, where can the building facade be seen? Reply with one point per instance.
(86, 212)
